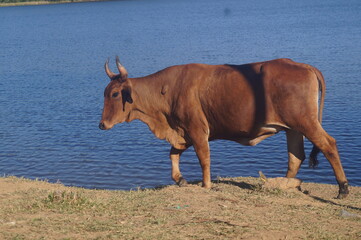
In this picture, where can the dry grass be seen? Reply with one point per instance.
(237, 208)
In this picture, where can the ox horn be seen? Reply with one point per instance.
(110, 74)
(123, 72)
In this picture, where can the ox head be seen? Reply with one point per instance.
(117, 97)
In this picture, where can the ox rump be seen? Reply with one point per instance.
(192, 104)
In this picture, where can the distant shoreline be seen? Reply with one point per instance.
(32, 3)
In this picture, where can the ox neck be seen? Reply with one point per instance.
(147, 102)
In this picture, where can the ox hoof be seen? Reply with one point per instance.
(343, 192)
(342, 195)
(207, 185)
(182, 182)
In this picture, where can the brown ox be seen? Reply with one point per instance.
(192, 104)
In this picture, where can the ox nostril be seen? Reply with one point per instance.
(102, 126)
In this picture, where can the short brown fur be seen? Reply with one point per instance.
(192, 104)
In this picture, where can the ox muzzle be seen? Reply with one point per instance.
(102, 126)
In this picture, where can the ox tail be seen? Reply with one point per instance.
(313, 162)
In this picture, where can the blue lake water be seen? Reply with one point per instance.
(52, 81)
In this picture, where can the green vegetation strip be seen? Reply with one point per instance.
(8, 3)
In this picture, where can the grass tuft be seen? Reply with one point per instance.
(65, 200)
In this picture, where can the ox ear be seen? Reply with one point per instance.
(126, 96)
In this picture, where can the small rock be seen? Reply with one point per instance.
(346, 214)
(282, 183)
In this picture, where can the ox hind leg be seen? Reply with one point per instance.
(296, 152)
(327, 144)
(176, 174)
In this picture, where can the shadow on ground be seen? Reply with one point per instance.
(242, 185)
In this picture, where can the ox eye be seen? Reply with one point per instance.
(116, 94)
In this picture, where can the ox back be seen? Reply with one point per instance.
(192, 104)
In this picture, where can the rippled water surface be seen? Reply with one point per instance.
(52, 82)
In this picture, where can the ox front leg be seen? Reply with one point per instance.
(176, 174)
(296, 152)
(203, 154)
(199, 134)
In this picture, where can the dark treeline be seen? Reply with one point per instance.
(23, 1)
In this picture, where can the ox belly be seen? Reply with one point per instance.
(255, 138)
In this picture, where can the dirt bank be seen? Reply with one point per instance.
(237, 208)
